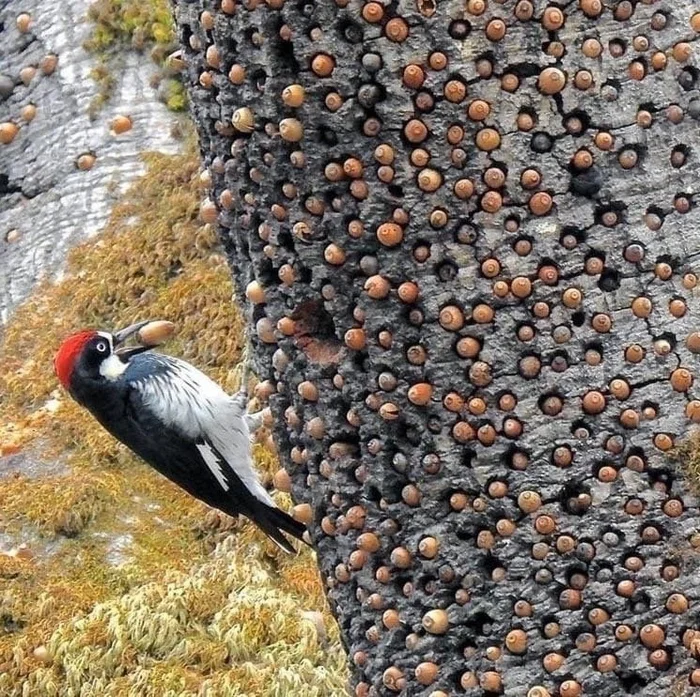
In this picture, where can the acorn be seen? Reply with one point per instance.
(435, 622)
(420, 393)
(8, 132)
(551, 81)
(243, 120)
(282, 481)
(155, 333)
(516, 641)
(28, 112)
(389, 234)
(323, 65)
(23, 22)
(121, 124)
(291, 130)
(84, 162)
(426, 673)
(48, 64)
(42, 654)
(208, 212)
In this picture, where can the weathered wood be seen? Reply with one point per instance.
(548, 213)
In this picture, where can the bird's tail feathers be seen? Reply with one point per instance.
(274, 521)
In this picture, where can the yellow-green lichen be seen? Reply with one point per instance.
(137, 25)
(122, 593)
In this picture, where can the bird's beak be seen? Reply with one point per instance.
(123, 334)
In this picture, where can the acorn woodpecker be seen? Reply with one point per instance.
(175, 418)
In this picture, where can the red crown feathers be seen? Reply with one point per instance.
(68, 353)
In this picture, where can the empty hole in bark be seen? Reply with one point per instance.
(673, 262)
(306, 8)
(661, 475)
(259, 78)
(312, 318)
(466, 233)
(350, 31)
(578, 319)
(284, 52)
(688, 78)
(631, 683)
(609, 280)
(468, 457)
(285, 240)
(4, 184)
(447, 271)
(523, 70)
(481, 623)
(640, 602)
(327, 136)
(185, 34)
(395, 190)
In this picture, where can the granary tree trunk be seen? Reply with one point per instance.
(466, 232)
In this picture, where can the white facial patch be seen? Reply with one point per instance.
(112, 367)
(108, 337)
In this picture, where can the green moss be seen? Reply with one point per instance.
(129, 23)
(137, 25)
(124, 587)
(174, 94)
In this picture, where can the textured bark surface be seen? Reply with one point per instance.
(491, 454)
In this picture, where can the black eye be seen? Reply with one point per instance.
(101, 346)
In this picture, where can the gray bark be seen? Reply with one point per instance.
(367, 467)
(47, 204)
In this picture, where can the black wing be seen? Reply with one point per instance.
(189, 463)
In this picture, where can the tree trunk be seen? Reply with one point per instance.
(467, 235)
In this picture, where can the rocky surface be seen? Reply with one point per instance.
(48, 204)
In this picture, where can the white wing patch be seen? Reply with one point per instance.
(186, 399)
(214, 464)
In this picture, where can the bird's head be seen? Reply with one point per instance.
(95, 355)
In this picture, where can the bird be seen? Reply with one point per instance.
(175, 418)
